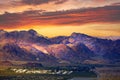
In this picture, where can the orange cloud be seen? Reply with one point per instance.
(108, 14)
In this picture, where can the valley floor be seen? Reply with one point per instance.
(82, 72)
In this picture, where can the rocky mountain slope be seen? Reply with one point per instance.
(76, 48)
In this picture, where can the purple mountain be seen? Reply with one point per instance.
(76, 48)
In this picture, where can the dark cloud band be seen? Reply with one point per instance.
(107, 14)
(39, 2)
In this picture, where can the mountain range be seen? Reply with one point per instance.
(73, 49)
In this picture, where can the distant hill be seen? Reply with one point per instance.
(111, 37)
(73, 49)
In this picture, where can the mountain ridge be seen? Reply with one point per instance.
(73, 49)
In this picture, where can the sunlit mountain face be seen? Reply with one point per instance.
(52, 18)
(72, 49)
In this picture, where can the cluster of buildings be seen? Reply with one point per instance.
(27, 71)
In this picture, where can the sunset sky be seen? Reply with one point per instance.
(62, 17)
